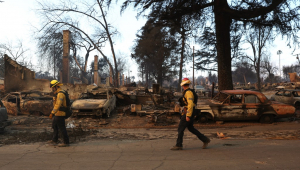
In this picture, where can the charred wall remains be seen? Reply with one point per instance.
(20, 78)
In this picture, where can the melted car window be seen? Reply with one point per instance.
(236, 98)
(13, 99)
(221, 97)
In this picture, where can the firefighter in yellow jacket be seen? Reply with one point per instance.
(57, 115)
(187, 117)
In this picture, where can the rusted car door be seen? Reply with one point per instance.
(253, 106)
(34, 103)
(233, 109)
(43, 107)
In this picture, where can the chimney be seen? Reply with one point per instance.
(96, 69)
(66, 53)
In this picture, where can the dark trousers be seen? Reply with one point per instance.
(190, 125)
(58, 123)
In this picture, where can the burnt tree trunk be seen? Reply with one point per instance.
(160, 66)
(258, 74)
(181, 59)
(258, 80)
(223, 22)
(160, 75)
(146, 75)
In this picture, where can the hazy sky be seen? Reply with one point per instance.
(19, 21)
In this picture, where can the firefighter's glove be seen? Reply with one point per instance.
(50, 116)
(187, 118)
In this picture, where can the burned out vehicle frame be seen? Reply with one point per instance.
(230, 105)
(154, 105)
(94, 103)
(28, 102)
(291, 97)
(152, 111)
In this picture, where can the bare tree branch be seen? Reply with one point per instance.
(58, 18)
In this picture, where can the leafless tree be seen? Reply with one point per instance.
(258, 40)
(67, 15)
(15, 51)
(122, 66)
(269, 68)
(243, 72)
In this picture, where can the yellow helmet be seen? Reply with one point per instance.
(54, 83)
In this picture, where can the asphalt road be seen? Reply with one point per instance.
(235, 152)
(154, 154)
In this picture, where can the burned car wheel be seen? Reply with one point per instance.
(203, 118)
(267, 118)
(297, 105)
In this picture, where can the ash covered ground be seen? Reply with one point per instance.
(125, 126)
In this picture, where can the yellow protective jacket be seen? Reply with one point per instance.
(59, 101)
(190, 102)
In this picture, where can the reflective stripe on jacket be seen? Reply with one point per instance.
(59, 101)
(190, 102)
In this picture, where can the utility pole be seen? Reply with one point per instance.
(279, 52)
(53, 61)
(297, 57)
(193, 68)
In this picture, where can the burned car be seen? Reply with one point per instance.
(291, 97)
(230, 105)
(94, 103)
(3, 118)
(28, 102)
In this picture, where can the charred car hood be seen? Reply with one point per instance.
(88, 103)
